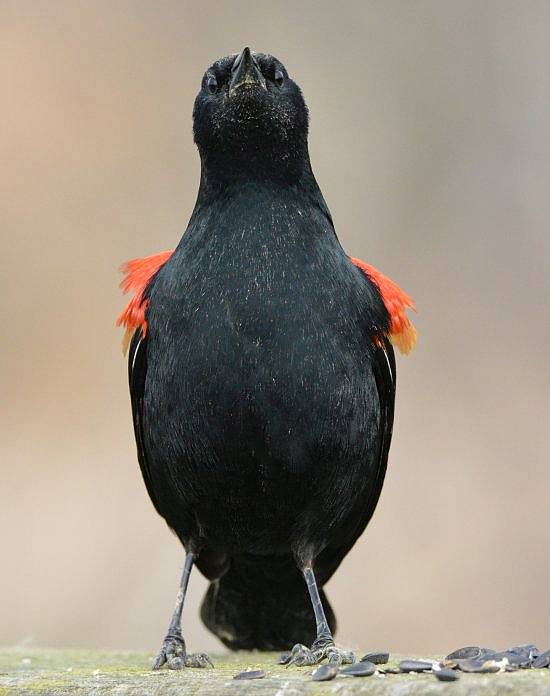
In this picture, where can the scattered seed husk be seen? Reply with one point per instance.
(250, 674)
(520, 662)
(542, 661)
(470, 665)
(528, 649)
(516, 659)
(415, 666)
(471, 652)
(359, 669)
(377, 658)
(471, 658)
(487, 654)
(325, 673)
(479, 666)
(446, 675)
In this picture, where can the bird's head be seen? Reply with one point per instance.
(250, 116)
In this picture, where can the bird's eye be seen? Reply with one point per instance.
(212, 84)
(279, 78)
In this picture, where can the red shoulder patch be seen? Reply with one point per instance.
(137, 275)
(402, 332)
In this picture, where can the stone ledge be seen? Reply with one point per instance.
(97, 673)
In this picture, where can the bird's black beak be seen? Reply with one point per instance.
(246, 73)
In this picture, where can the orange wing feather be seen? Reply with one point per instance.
(137, 275)
(402, 331)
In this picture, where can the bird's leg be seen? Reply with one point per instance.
(324, 634)
(173, 652)
(323, 646)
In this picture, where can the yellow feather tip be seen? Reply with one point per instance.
(405, 340)
(126, 340)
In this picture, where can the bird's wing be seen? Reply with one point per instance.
(138, 276)
(403, 335)
(385, 376)
(137, 372)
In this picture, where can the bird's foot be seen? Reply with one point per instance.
(174, 655)
(321, 650)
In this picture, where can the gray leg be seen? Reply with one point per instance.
(324, 634)
(323, 647)
(173, 652)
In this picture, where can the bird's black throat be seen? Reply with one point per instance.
(248, 126)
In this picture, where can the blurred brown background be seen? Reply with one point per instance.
(430, 140)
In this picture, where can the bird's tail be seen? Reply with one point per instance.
(262, 603)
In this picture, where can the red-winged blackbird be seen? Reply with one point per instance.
(261, 375)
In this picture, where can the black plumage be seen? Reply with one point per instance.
(263, 389)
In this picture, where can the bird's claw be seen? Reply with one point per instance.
(174, 656)
(301, 655)
(172, 653)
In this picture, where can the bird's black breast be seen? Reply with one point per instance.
(261, 412)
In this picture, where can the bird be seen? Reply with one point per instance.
(262, 376)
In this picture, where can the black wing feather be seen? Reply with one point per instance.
(137, 373)
(385, 375)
